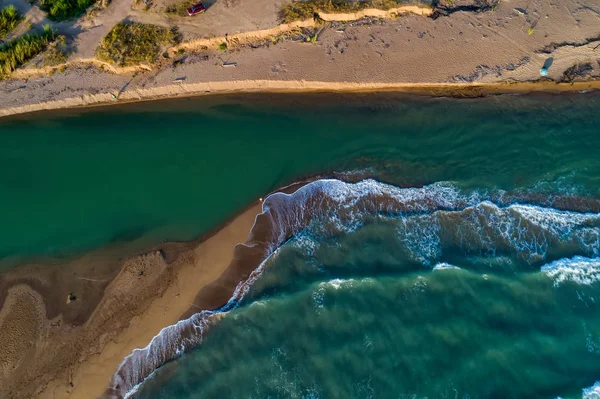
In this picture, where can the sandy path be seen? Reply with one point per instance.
(96, 27)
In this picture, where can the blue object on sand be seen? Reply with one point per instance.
(544, 71)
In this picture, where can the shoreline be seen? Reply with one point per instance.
(460, 90)
(148, 292)
(79, 349)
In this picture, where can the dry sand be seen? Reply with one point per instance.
(79, 334)
(464, 53)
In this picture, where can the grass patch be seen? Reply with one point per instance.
(180, 8)
(17, 52)
(57, 52)
(302, 10)
(60, 10)
(9, 19)
(132, 43)
(223, 46)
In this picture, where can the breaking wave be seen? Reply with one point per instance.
(578, 269)
(427, 221)
(592, 392)
(445, 266)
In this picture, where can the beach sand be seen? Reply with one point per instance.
(462, 54)
(79, 334)
(78, 318)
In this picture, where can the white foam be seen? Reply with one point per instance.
(592, 392)
(345, 206)
(558, 222)
(445, 266)
(578, 269)
(339, 283)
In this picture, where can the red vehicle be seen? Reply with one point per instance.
(196, 9)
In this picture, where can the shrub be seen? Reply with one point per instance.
(180, 7)
(9, 19)
(16, 52)
(57, 52)
(132, 43)
(223, 46)
(59, 10)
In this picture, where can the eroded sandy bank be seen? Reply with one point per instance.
(299, 86)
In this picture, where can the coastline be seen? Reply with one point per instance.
(149, 279)
(149, 292)
(303, 86)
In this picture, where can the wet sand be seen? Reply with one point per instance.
(80, 327)
(466, 90)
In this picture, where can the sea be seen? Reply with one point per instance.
(431, 248)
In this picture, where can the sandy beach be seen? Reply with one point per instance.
(80, 317)
(80, 333)
(463, 53)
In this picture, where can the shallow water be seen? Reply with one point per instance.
(73, 181)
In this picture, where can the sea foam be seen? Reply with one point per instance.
(578, 269)
(428, 218)
(445, 266)
(592, 392)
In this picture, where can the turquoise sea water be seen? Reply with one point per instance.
(172, 170)
(451, 249)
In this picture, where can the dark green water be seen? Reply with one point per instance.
(462, 262)
(173, 170)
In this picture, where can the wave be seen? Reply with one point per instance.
(592, 392)
(581, 270)
(445, 266)
(171, 342)
(427, 220)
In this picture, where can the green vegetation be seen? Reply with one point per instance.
(57, 52)
(301, 10)
(223, 46)
(180, 8)
(9, 19)
(59, 10)
(132, 43)
(16, 52)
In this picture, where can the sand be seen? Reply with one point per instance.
(76, 353)
(78, 318)
(464, 53)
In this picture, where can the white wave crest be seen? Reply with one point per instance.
(445, 266)
(578, 269)
(592, 392)
(345, 205)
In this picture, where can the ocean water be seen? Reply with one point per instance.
(387, 292)
(443, 248)
(172, 170)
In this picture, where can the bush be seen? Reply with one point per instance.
(57, 52)
(132, 43)
(59, 10)
(301, 10)
(16, 52)
(180, 7)
(9, 19)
